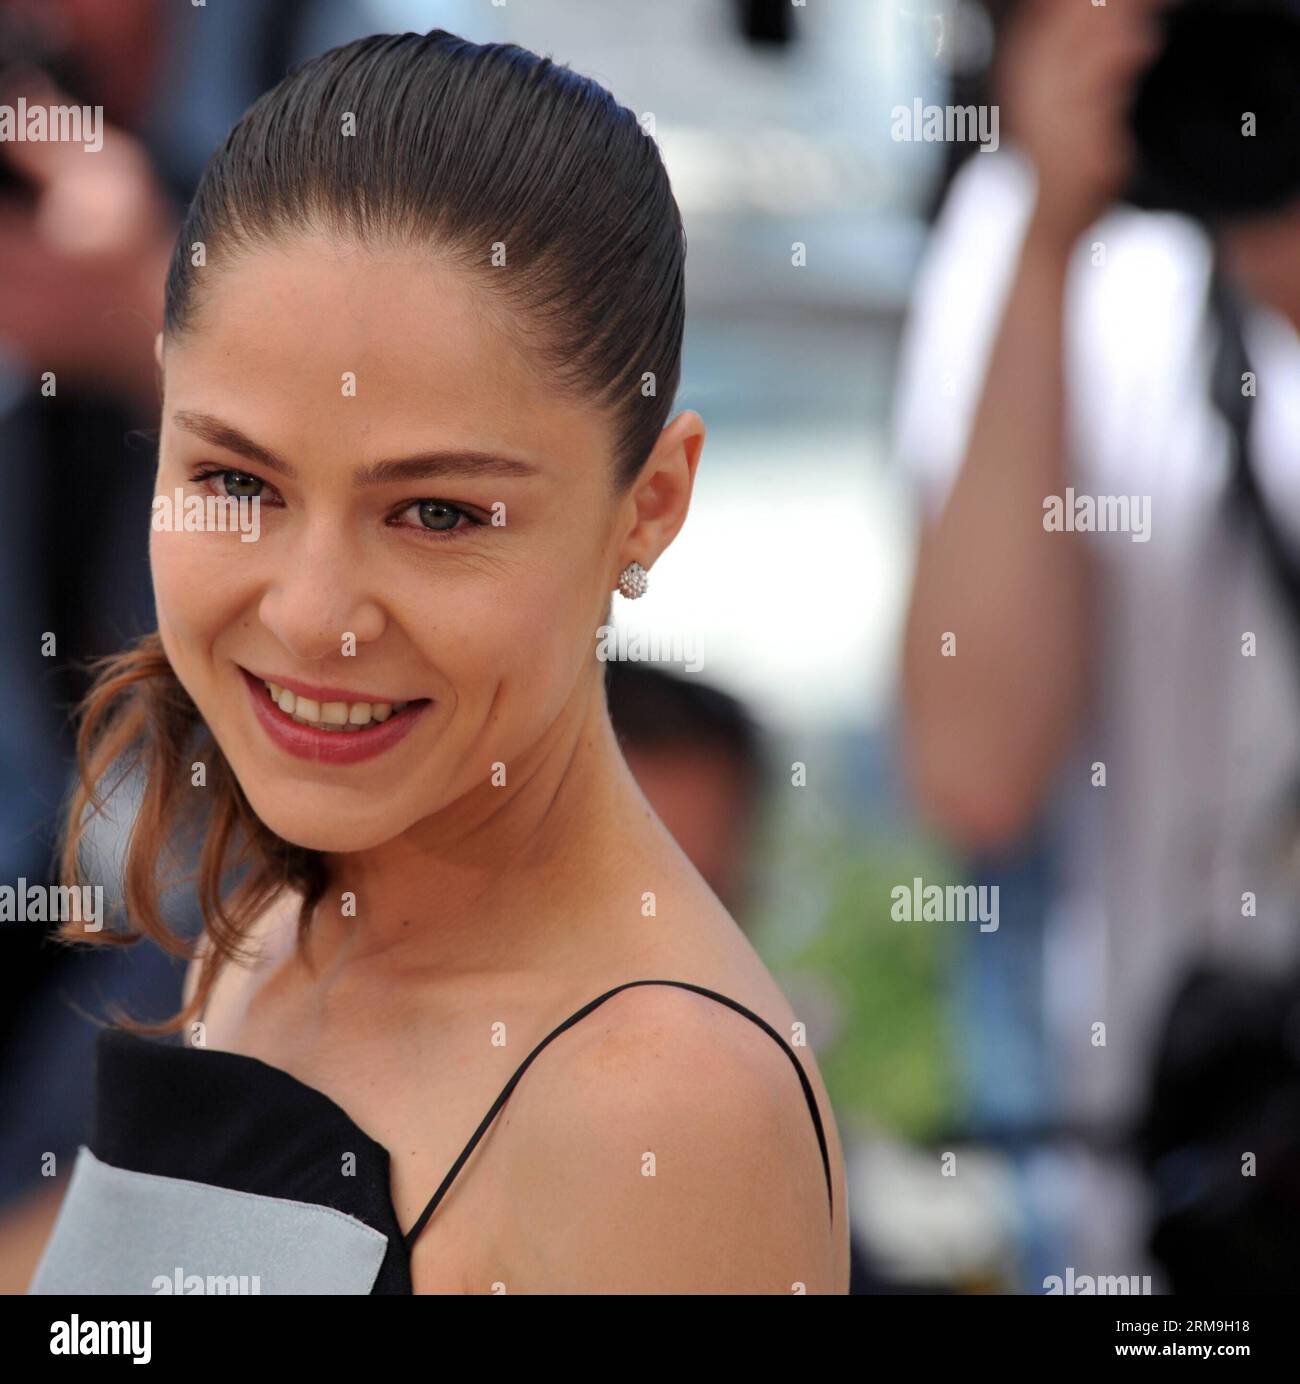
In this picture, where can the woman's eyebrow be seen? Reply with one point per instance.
(423, 466)
(218, 434)
(429, 465)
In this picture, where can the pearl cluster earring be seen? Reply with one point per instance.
(633, 581)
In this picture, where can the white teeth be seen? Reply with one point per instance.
(331, 716)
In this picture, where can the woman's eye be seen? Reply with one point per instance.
(438, 516)
(435, 515)
(240, 485)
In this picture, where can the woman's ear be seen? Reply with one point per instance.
(157, 350)
(661, 494)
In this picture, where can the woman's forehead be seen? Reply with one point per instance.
(336, 296)
(404, 335)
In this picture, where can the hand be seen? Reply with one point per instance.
(1067, 75)
(82, 271)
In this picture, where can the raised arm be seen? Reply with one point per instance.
(990, 710)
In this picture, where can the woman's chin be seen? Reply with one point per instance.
(339, 841)
(328, 832)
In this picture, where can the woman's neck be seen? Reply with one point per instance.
(496, 880)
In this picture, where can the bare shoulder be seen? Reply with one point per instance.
(669, 1147)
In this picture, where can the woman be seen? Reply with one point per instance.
(424, 319)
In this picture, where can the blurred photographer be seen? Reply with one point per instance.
(1100, 397)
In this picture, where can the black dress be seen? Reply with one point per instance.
(212, 1171)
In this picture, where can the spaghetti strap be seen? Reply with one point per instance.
(413, 1234)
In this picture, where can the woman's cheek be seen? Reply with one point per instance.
(170, 558)
(545, 643)
(184, 565)
(201, 581)
(502, 652)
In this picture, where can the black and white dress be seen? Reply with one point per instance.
(212, 1171)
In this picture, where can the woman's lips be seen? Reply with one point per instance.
(341, 746)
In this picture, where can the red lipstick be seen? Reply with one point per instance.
(324, 746)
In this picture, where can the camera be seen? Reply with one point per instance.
(1216, 117)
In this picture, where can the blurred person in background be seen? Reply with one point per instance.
(84, 240)
(697, 756)
(1131, 692)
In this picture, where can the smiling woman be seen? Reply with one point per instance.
(426, 311)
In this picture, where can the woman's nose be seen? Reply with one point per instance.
(318, 604)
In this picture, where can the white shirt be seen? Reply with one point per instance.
(1198, 741)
